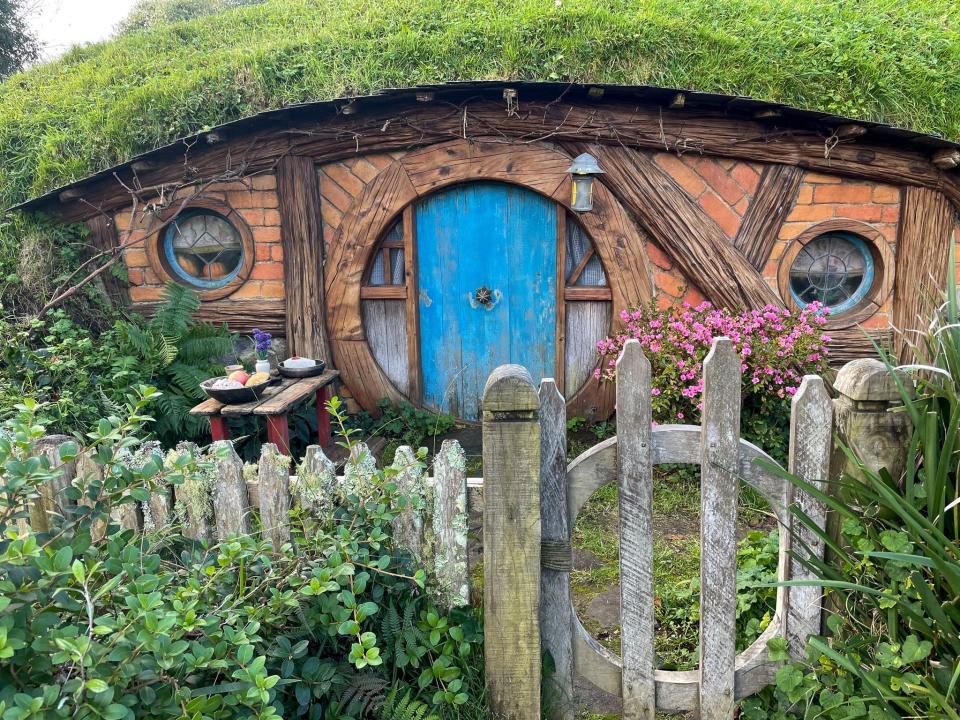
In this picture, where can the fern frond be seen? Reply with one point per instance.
(404, 708)
(364, 694)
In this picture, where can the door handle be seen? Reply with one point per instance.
(484, 297)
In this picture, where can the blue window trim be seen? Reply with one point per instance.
(176, 269)
(865, 284)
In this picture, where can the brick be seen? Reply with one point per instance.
(821, 179)
(741, 207)
(879, 321)
(867, 213)
(886, 194)
(683, 175)
(693, 296)
(717, 179)
(267, 234)
(777, 251)
(721, 213)
(241, 199)
(151, 278)
(264, 182)
(267, 271)
(665, 302)
(252, 216)
(146, 294)
(272, 289)
(331, 216)
(269, 199)
(135, 257)
(341, 175)
(271, 217)
(805, 196)
(263, 251)
(250, 289)
(658, 257)
(364, 170)
(811, 212)
(121, 221)
(890, 214)
(276, 253)
(746, 177)
(135, 276)
(725, 163)
(668, 283)
(845, 193)
(770, 269)
(792, 230)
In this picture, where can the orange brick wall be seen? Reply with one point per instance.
(254, 200)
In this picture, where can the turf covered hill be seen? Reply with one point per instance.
(890, 60)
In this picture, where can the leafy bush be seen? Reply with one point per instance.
(403, 422)
(334, 625)
(776, 347)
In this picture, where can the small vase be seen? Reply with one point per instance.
(262, 366)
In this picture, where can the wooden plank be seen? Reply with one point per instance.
(294, 393)
(230, 506)
(682, 228)
(383, 292)
(923, 243)
(317, 481)
(586, 323)
(414, 373)
(385, 324)
(207, 408)
(450, 526)
(511, 536)
(719, 450)
(811, 441)
(408, 525)
(273, 477)
(760, 227)
(248, 407)
(239, 315)
(587, 293)
(635, 486)
(556, 630)
(301, 234)
(103, 238)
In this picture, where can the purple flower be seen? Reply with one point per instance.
(263, 340)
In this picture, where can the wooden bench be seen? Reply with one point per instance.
(275, 404)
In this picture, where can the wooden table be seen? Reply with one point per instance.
(275, 403)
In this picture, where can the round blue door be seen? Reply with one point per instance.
(487, 266)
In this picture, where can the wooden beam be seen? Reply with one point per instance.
(696, 243)
(923, 244)
(587, 293)
(383, 292)
(298, 190)
(770, 206)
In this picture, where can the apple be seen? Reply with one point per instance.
(240, 376)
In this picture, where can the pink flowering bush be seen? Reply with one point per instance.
(777, 348)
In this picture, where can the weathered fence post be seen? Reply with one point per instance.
(719, 453)
(273, 479)
(316, 480)
(811, 439)
(408, 526)
(358, 469)
(230, 500)
(450, 525)
(511, 536)
(635, 485)
(556, 626)
(52, 499)
(867, 391)
(194, 499)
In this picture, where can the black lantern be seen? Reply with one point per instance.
(583, 170)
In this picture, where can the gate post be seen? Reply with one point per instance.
(511, 543)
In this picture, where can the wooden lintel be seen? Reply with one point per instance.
(587, 293)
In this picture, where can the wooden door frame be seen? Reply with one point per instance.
(391, 195)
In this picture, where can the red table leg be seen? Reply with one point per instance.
(323, 417)
(278, 432)
(219, 428)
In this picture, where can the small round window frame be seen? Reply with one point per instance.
(872, 298)
(167, 270)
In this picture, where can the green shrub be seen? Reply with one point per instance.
(334, 625)
(402, 421)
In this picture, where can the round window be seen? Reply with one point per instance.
(834, 269)
(203, 249)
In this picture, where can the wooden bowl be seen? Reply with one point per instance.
(233, 396)
(305, 372)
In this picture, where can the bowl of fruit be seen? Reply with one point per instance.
(237, 387)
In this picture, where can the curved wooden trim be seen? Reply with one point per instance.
(883, 262)
(540, 168)
(153, 238)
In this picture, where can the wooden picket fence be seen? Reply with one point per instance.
(230, 498)
(532, 498)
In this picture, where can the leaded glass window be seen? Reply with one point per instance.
(835, 269)
(583, 267)
(203, 249)
(387, 266)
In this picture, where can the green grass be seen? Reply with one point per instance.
(890, 60)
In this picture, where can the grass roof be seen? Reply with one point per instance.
(893, 61)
